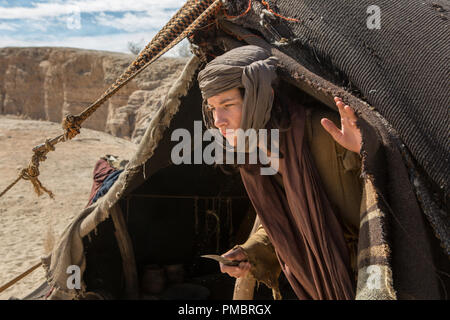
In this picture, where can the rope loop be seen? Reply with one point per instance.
(31, 174)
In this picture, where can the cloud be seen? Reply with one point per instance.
(98, 25)
(115, 42)
(8, 26)
(133, 22)
(55, 9)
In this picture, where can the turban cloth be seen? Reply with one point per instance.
(248, 67)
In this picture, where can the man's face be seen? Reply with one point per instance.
(226, 108)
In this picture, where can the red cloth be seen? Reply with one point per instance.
(102, 170)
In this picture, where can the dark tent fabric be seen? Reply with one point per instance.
(400, 71)
(402, 68)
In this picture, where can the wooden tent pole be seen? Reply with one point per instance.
(127, 253)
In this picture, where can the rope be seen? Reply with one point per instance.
(266, 4)
(167, 38)
(162, 43)
(20, 277)
(187, 19)
(11, 185)
(31, 173)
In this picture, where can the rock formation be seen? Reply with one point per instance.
(48, 83)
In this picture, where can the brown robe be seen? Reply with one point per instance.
(300, 221)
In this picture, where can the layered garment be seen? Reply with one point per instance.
(102, 170)
(299, 219)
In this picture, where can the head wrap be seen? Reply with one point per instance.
(248, 67)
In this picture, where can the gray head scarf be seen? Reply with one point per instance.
(248, 67)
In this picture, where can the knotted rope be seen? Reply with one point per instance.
(32, 172)
(188, 18)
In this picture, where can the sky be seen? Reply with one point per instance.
(90, 24)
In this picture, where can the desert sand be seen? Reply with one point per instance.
(29, 224)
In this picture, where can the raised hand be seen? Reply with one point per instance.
(349, 136)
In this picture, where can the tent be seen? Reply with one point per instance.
(163, 213)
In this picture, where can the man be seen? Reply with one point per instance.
(304, 221)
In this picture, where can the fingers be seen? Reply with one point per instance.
(238, 271)
(349, 136)
(331, 128)
(348, 116)
(235, 254)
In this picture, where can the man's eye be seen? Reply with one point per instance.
(229, 105)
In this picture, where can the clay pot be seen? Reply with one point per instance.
(153, 279)
(175, 273)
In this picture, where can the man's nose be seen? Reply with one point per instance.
(220, 119)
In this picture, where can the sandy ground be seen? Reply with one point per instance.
(28, 223)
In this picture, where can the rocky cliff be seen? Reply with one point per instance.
(48, 83)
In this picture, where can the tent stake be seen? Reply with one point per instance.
(127, 253)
